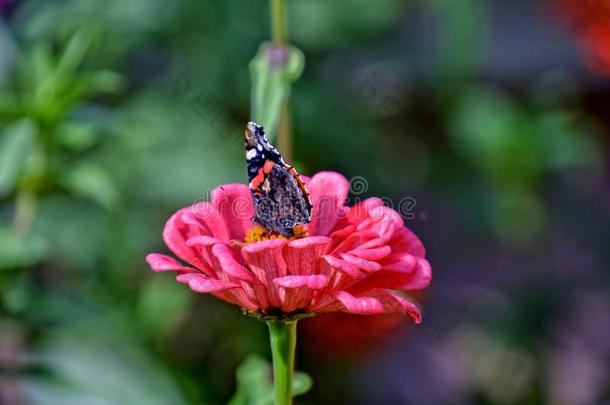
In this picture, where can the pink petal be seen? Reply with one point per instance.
(406, 241)
(372, 254)
(381, 212)
(200, 283)
(373, 243)
(361, 305)
(421, 279)
(315, 282)
(175, 235)
(352, 240)
(159, 262)
(266, 261)
(343, 266)
(305, 243)
(404, 263)
(360, 212)
(229, 265)
(234, 204)
(258, 247)
(202, 240)
(363, 264)
(302, 255)
(385, 228)
(205, 220)
(395, 303)
(417, 278)
(328, 192)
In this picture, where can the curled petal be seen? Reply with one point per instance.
(403, 263)
(352, 240)
(175, 234)
(358, 305)
(204, 220)
(258, 247)
(343, 266)
(315, 282)
(422, 277)
(416, 278)
(229, 265)
(404, 240)
(386, 227)
(340, 234)
(361, 263)
(360, 212)
(159, 262)
(202, 240)
(383, 212)
(395, 303)
(202, 284)
(372, 254)
(373, 243)
(304, 243)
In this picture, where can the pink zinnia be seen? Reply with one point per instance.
(358, 259)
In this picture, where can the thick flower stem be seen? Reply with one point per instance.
(283, 337)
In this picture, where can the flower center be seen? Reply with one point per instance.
(258, 233)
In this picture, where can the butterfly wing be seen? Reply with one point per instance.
(280, 196)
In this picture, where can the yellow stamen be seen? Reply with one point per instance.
(258, 233)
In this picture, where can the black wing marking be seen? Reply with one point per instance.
(259, 150)
(279, 203)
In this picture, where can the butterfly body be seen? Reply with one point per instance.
(280, 196)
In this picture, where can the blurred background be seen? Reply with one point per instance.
(491, 117)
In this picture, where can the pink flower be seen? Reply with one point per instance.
(356, 259)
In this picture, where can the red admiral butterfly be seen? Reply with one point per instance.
(280, 197)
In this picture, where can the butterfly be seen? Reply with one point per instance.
(280, 196)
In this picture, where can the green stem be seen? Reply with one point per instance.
(279, 22)
(283, 337)
(284, 135)
(279, 36)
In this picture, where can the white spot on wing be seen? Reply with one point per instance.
(250, 153)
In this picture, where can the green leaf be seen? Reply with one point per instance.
(255, 385)
(76, 136)
(15, 144)
(92, 181)
(272, 70)
(17, 250)
(74, 53)
(301, 383)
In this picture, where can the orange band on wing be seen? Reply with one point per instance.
(257, 180)
(268, 166)
(299, 180)
(262, 173)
